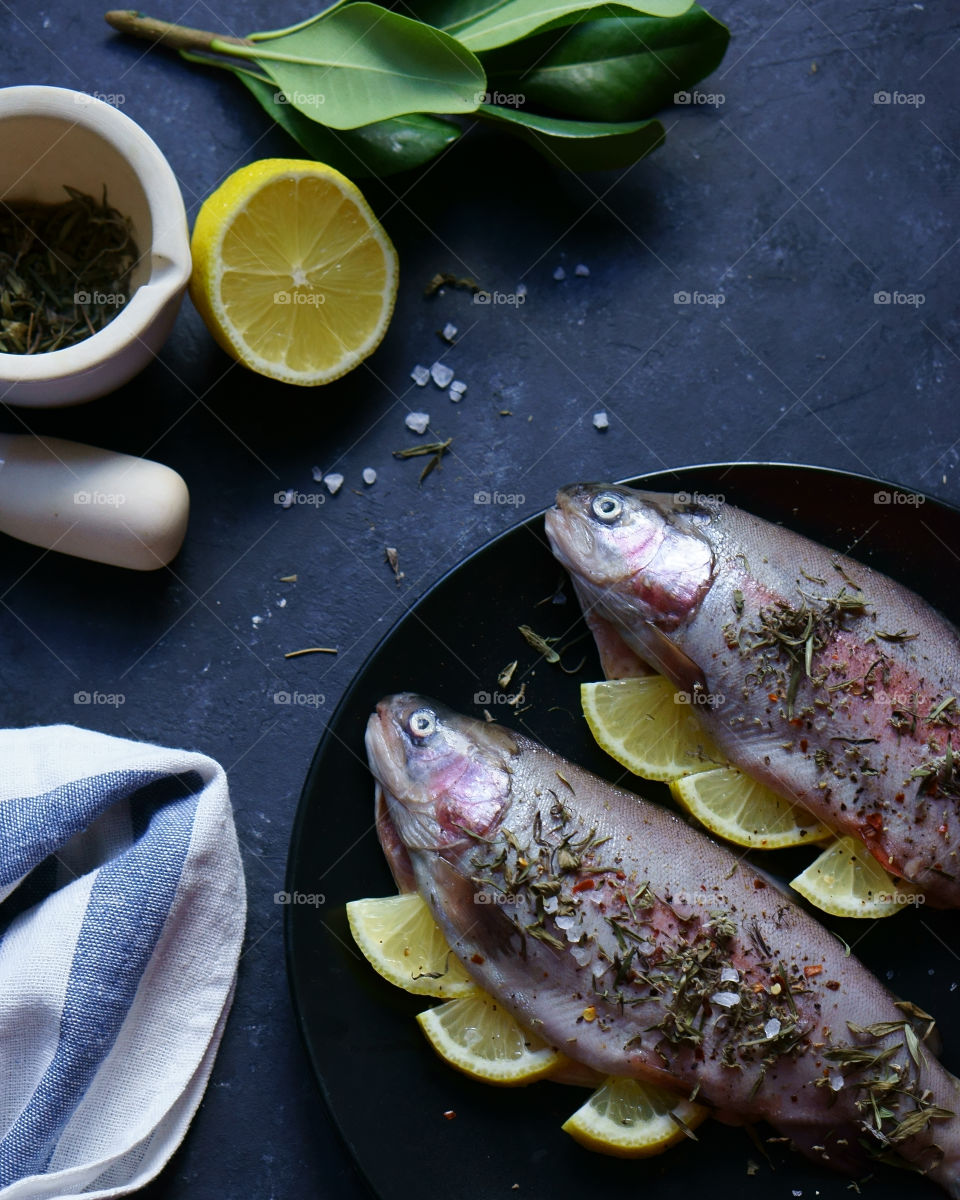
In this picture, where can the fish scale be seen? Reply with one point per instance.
(609, 927)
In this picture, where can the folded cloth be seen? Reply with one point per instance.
(122, 907)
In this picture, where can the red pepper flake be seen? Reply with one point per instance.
(813, 970)
(804, 744)
(797, 722)
(899, 797)
(621, 875)
(759, 884)
(449, 1115)
(833, 985)
(942, 829)
(773, 696)
(477, 958)
(585, 885)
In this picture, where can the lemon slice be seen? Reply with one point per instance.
(847, 881)
(736, 807)
(640, 723)
(633, 1120)
(401, 940)
(480, 1038)
(292, 273)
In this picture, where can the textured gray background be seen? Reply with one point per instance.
(796, 200)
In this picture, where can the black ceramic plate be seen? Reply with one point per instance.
(387, 1091)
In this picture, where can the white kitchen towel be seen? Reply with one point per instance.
(122, 907)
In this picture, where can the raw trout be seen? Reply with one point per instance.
(830, 683)
(639, 947)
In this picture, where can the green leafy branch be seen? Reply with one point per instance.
(370, 91)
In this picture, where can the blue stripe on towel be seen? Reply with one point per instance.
(127, 909)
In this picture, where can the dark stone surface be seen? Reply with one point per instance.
(796, 200)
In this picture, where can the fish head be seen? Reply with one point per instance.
(634, 556)
(446, 777)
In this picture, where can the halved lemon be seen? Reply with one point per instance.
(736, 807)
(847, 881)
(292, 273)
(401, 940)
(628, 1119)
(642, 724)
(479, 1037)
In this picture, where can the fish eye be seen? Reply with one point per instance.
(607, 508)
(422, 723)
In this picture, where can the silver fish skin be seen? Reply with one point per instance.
(832, 684)
(639, 947)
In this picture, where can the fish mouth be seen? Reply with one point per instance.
(386, 753)
(568, 526)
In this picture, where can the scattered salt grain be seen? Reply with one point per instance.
(582, 270)
(725, 999)
(441, 374)
(317, 474)
(600, 421)
(282, 602)
(287, 500)
(456, 397)
(420, 376)
(417, 422)
(836, 1082)
(581, 955)
(565, 922)
(729, 975)
(369, 476)
(559, 274)
(334, 483)
(551, 904)
(772, 1028)
(255, 621)
(449, 332)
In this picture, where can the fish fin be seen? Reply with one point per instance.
(616, 657)
(395, 852)
(665, 656)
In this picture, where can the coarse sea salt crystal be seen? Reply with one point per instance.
(725, 999)
(282, 602)
(458, 386)
(551, 904)
(600, 421)
(449, 332)
(836, 1081)
(559, 274)
(334, 483)
(420, 376)
(456, 397)
(565, 922)
(582, 270)
(417, 421)
(317, 473)
(369, 476)
(772, 1028)
(729, 975)
(441, 374)
(581, 954)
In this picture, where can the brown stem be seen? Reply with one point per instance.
(177, 37)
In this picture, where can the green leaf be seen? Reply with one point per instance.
(612, 69)
(485, 24)
(384, 148)
(358, 64)
(580, 145)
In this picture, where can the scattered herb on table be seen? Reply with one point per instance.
(64, 271)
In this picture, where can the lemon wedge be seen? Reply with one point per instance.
(736, 807)
(401, 941)
(292, 273)
(628, 1119)
(640, 723)
(481, 1039)
(847, 881)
